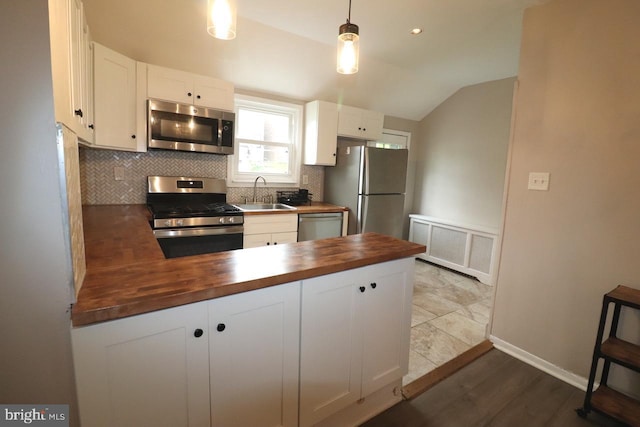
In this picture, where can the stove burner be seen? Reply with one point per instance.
(193, 210)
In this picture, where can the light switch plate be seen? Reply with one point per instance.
(539, 181)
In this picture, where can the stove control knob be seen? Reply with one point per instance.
(232, 219)
(180, 223)
(168, 223)
(221, 220)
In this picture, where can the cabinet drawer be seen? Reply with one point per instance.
(279, 223)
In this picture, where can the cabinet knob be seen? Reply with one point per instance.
(133, 137)
(362, 289)
(268, 243)
(198, 96)
(373, 285)
(221, 327)
(78, 112)
(91, 126)
(188, 93)
(198, 333)
(275, 243)
(334, 154)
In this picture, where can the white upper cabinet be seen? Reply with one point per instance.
(358, 123)
(187, 88)
(72, 67)
(321, 133)
(115, 101)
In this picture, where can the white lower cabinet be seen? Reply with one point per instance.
(231, 361)
(146, 370)
(330, 350)
(254, 345)
(355, 333)
(266, 230)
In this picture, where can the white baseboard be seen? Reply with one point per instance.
(543, 365)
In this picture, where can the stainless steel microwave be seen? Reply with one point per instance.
(184, 127)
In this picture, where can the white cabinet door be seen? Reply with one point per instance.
(321, 133)
(256, 240)
(146, 370)
(71, 67)
(169, 85)
(187, 88)
(282, 238)
(387, 324)
(115, 100)
(355, 333)
(358, 123)
(213, 93)
(331, 345)
(372, 125)
(254, 341)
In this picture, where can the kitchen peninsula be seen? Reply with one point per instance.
(242, 337)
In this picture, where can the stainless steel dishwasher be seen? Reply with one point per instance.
(313, 226)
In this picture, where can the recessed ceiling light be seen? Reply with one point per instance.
(416, 31)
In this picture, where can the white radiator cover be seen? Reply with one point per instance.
(461, 247)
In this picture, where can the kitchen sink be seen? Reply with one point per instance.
(265, 207)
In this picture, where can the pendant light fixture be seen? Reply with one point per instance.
(221, 19)
(348, 46)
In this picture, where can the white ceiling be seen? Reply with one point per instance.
(287, 48)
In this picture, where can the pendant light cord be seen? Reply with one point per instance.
(349, 17)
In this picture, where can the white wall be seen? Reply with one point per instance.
(577, 117)
(462, 152)
(35, 275)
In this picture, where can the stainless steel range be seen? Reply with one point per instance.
(190, 216)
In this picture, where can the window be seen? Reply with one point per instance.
(268, 142)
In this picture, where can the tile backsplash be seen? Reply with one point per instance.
(99, 186)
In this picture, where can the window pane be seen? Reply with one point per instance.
(262, 158)
(263, 126)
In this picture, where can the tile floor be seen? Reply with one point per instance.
(450, 315)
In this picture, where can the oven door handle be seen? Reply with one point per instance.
(195, 232)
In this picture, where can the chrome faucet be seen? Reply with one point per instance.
(255, 184)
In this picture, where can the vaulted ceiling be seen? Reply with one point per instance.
(287, 48)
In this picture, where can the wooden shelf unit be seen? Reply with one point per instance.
(613, 350)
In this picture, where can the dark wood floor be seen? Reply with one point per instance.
(495, 390)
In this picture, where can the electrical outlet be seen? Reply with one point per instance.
(305, 179)
(118, 173)
(538, 181)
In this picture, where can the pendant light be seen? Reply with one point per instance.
(348, 47)
(221, 19)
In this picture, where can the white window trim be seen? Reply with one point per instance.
(235, 179)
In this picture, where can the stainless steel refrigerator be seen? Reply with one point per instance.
(371, 183)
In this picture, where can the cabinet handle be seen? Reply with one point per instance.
(78, 112)
(188, 93)
(133, 137)
(221, 327)
(198, 333)
(362, 289)
(91, 126)
(373, 285)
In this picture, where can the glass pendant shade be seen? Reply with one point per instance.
(348, 49)
(221, 19)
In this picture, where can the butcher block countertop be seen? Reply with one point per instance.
(127, 273)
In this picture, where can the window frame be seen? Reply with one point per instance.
(236, 178)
